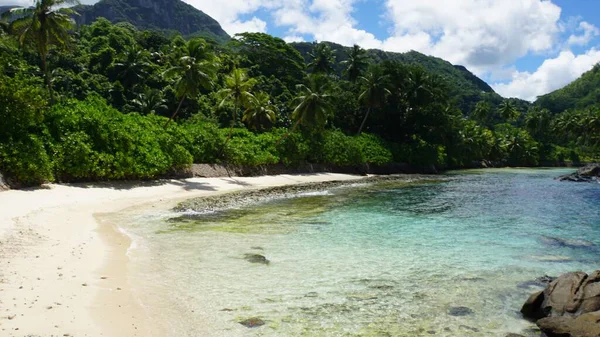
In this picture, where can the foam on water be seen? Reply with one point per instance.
(398, 261)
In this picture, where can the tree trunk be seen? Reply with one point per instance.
(364, 120)
(230, 129)
(176, 111)
(47, 77)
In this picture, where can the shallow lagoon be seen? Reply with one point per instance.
(368, 260)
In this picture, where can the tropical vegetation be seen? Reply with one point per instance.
(109, 101)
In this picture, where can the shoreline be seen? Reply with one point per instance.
(65, 268)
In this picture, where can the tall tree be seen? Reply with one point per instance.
(261, 111)
(196, 70)
(237, 89)
(508, 111)
(356, 63)
(313, 106)
(45, 24)
(132, 68)
(322, 59)
(374, 92)
(151, 101)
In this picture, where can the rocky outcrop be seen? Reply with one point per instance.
(568, 307)
(3, 184)
(588, 173)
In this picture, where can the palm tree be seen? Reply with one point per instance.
(417, 89)
(196, 69)
(322, 59)
(356, 63)
(151, 101)
(133, 67)
(237, 89)
(260, 111)
(508, 111)
(374, 92)
(45, 24)
(481, 112)
(313, 107)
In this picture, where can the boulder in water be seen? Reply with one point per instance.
(256, 258)
(569, 306)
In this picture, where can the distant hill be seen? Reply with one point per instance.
(579, 94)
(467, 88)
(165, 15)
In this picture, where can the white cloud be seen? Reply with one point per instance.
(551, 75)
(228, 14)
(477, 34)
(293, 38)
(589, 32)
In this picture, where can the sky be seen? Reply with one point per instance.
(522, 48)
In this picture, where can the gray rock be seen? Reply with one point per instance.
(256, 258)
(253, 322)
(3, 184)
(569, 306)
(588, 173)
(586, 325)
(460, 311)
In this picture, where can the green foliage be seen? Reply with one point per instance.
(341, 150)
(95, 141)
(26, 161)
(581, 94)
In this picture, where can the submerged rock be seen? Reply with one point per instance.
(256, 258)
(569, 306)
(570, 243)
(460, 311)
(541, 281)
(253, 322)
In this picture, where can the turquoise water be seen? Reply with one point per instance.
(369, 260)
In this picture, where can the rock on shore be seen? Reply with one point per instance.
(588, 173)
(568, 307)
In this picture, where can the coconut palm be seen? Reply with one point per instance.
(196, 69)
(481, 112)
(356, 63)
(260, 111)
(374, 92)
(313, 106)
(151, 101)
(237, 89)
(133, 67)
(322, 59)
(508, 111)
(45, 24)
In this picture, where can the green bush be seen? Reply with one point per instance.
(419, 153)
(204, 141)
(248, 149)
(26, 161)
(95, 141)
(374, 149)
(341, 150)
(293, 148)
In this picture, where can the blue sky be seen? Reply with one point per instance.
(523, 48)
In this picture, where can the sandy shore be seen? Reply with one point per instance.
(63, 273)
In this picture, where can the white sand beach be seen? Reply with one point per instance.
(63, 273)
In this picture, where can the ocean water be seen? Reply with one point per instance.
(449, 258)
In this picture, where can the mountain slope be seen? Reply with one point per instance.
(467, 88)
(173, 15)
(579, 94)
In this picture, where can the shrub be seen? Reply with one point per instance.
(26, 161)
(341, 150)
(374, 149)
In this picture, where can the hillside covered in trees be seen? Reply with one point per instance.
(111, 101)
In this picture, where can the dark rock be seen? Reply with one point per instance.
(588, 173)
(460, 311)
(586, 325)
(253, 322)
(514, 335)
(256, 258)
(541, 281)
(532, 308)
